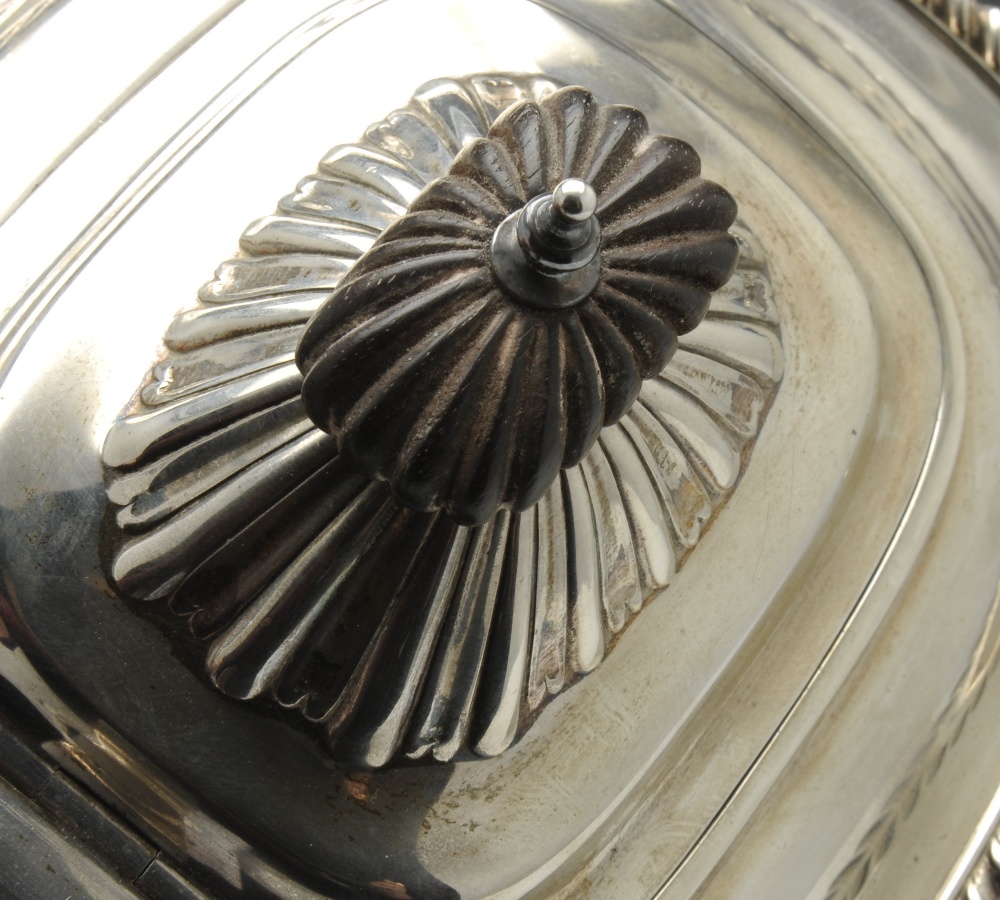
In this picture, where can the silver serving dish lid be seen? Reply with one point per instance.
(510, 514)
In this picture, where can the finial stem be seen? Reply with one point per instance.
(545, 254)
(558, 231)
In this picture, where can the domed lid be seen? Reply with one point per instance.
(588, 456)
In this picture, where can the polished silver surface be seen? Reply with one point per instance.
(976, 22)
(923, 768)
(976, 874)
(826, 645)
(60, 840)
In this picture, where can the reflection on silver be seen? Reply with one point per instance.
(982, 883)
(229, 502)
(974, 22)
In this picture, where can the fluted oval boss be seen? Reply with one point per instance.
(490, 333)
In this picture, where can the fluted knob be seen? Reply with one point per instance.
(491, 333)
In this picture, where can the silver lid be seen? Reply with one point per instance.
(796, 519)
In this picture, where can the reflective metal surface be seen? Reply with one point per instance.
(808, 702)
(366, 578)
(972, 21)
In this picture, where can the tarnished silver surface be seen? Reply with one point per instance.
(780, 698)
